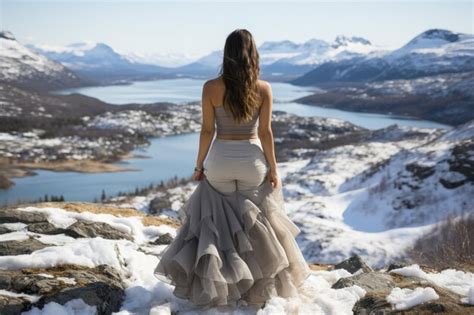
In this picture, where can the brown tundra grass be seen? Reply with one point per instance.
(449, 245)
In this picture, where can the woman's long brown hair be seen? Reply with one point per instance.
(240, 71)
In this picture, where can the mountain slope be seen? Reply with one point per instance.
(23, 67)
(377, 197)
(420, 186)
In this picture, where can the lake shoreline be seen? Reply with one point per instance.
(410, 106)
(399, 116)
(24, 169)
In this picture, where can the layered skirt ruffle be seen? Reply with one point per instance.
(234, 246)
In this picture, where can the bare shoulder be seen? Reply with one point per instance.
(214, 89)
(264, 84)
(265, 88)
(208, 85)
(215, 83)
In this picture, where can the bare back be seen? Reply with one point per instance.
(216, 95)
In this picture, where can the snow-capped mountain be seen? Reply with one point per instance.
(287, 59)
(21, 66)
(161, 59)
(100, 62)
(432, 41)
(77, 56)
(432, 52)
(312, 52)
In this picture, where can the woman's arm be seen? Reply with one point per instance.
(265, 132)
(207, 126)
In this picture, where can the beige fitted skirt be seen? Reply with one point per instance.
(236, 165)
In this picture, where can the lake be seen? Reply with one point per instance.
(168, 156)
(180, 91)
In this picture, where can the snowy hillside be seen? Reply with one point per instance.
(21, 66)
(432, 52)
(419, 186)
(374, 197)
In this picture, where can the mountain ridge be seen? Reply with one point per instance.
(21, 66)
(428, 53)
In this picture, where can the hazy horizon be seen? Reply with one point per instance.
(131, 27)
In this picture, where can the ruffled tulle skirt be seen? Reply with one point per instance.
(234, 246)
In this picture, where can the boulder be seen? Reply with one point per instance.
(353, 264)
(372, 281)
(163, 239)
(95, 229)
(20, 247)
(13, 216)
(100, 286)
(44, 228)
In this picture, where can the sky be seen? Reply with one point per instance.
(195, 28)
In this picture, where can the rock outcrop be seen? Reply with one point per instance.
(26, 284)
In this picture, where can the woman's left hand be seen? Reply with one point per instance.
(198, 175)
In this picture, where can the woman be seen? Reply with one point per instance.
(236, 245)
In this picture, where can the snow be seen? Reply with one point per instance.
(85, 252)
(164, 59)
(340, 202)
(63, 218)
(435, 42)
(30, 147)
(311, 52)
(4, 136)
(469, 299)
(317, 297)
(457, 281)
(176, 197)
(72, 307)
(138, 121)
(19, 62)
(440, 85)
(76, 49)
(31, 298)
(315, 51)
(346, 201)
(403, 299)
(136, 260)
(145, 294)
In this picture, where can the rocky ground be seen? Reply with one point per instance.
(98, 259)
